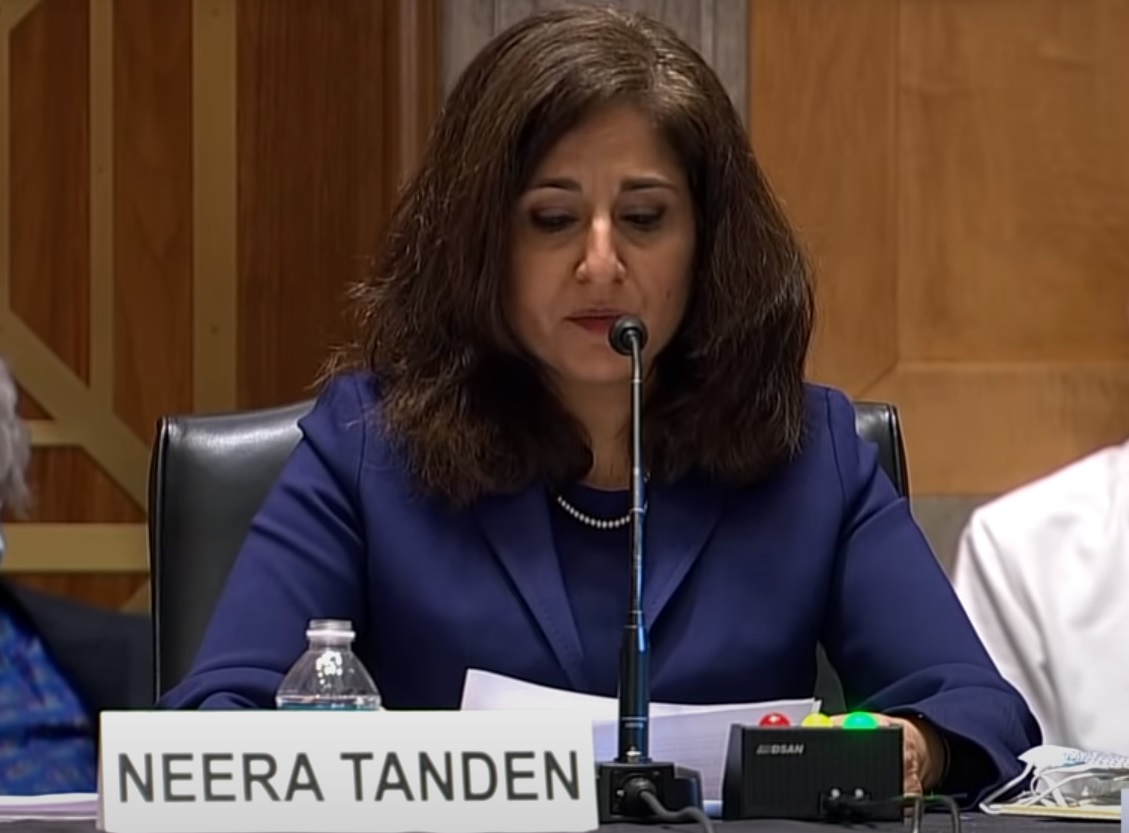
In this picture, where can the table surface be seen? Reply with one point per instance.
(933, 823)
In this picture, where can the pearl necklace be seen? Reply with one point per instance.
(597, 523)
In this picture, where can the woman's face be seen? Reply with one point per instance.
(605, 227)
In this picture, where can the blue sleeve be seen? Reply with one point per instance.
(303, 559)
(899, 638)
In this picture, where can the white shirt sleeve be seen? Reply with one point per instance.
(990, 584)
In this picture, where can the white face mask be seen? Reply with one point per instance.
(1063, 777)
(1086, 779)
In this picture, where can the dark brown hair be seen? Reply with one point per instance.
(466, 405)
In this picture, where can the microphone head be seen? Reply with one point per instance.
(626, 330)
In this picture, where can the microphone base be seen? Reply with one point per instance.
(618, 788)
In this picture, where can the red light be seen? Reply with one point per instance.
(774, 719)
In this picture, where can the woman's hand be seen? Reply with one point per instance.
(923, 752)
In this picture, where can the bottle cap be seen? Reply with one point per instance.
(341, 628)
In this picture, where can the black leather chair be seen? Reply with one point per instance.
(879, 423)
(209, 475)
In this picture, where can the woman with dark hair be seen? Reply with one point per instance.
(461, 487)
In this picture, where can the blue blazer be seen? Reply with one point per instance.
(741, 585)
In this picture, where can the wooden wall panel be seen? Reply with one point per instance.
(68, 488)
(185, 188)
(959, 170)
(27, 407)
(49, 61)
(105, 589)
(824, 123)
(1016, 117)
(414, 30)
(152, 211)
(716, 28)
(51, 191)
(312, 180)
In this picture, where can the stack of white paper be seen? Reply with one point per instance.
(59, 807)
(691, 736)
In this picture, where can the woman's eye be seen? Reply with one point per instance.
(552, 222)
(644, 220)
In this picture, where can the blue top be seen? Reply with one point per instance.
(46, 738)
(741, 584)
(596, 567)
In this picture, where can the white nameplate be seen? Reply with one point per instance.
(346, 772)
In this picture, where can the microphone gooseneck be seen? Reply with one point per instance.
(628, 336)
(633, 787)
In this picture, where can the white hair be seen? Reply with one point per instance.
(15, 445)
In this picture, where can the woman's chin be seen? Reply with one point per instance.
(612, 372)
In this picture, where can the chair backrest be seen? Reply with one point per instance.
(879, 423)
(208, 477)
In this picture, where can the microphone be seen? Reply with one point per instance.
(633, 787)
(628, 335)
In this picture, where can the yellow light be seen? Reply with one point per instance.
(816, 719)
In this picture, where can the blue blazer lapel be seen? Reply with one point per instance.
(519, 531)
(680, 520)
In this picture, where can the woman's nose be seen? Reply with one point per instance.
(601, 258)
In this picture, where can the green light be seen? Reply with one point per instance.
(816, 719)
(860, 720)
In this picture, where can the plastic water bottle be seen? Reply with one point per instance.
(328, 675)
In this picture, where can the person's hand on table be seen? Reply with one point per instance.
(923, 751)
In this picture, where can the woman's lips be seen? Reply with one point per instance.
(597, 324)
